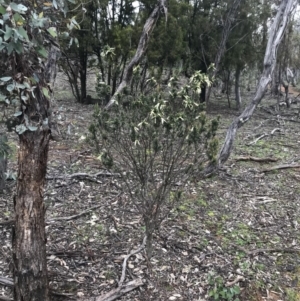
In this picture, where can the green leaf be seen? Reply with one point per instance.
(42, 52)
(2, 10)
(18, 19)
(5, 79)
(10, 47)
(8, 33)
(18, 47)
(45, 92)
(22, 32)
(52, 31)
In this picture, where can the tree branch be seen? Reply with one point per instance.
(141, 49)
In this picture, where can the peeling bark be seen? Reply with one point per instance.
(141, 49)
(275, 36)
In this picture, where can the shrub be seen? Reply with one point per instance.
(157, 143)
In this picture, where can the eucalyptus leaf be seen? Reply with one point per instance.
(18, 47)
(42, 52)
(22, 32)
(8, 33)
(10, 47)
(20, 8)
(2, 10)
(52, 32)
(54, 4)
(32, 128)
(19, 113)
(10, 87)
(5, 78)
(21, 128)
(45, 92)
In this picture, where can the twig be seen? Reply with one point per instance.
(84, 175)
(119, 291)
(68, 218)
(139, 249)
(284, 166)
(6, 281)
(236, 280)
(257, 251)
(256, 159)
(127, 287)
(257, 139)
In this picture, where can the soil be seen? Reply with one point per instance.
(234, 235)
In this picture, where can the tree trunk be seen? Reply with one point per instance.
(29, 239)
(275, 36)
(238, 99)
(83, 72)
(141, 49)
(28, 235)
(226, 30)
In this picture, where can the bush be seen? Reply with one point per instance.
(157, 143)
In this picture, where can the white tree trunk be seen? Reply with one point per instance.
(275, 36)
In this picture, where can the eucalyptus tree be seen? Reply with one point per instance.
(28, 58)
(276, 33)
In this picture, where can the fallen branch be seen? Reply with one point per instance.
(119, 291)
(263, 136)
(141, 247)
(256, 159)
(257, 251)
(127, 287)
(83, 175)
(284, 166)
(63, 218)
(68, 218)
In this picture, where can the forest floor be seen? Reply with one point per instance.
(236, 230)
